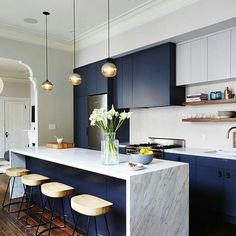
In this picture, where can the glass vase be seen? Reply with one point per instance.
(110, 149)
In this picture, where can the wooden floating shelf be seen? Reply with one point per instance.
(210, 102)
(209, 120)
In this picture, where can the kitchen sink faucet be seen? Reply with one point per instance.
(234, 136)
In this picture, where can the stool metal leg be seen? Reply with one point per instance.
(88, 226)
(41, 217)
(5, 195)
(75, 225)
(22, 200)
(72, 212)
(63, 212)
(95, 224)
(11, 193)
(52, 211)
(107, 225)
(28, 204)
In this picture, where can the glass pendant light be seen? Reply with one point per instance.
(74, 78)
(47, 85)
(1, 85)
(109, 69)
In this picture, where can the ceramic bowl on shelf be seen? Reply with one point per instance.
(226, 114)
(139, 158)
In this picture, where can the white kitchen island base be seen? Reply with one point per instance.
(156, 198)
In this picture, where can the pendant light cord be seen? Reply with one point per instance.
(108, 25)
(46, 47)
(74, 29)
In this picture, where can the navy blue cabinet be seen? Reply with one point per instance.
(191, 160)
(81, 90)
(147, 79)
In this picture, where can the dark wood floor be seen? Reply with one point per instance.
(10, 226)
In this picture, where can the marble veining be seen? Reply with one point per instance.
(161, 206)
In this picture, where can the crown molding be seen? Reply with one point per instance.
(134, 18)
(27, 36)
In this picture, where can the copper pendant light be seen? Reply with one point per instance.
(74, 78)
(47, 85)
(109, 69)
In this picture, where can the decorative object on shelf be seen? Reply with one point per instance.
(1, 85)
(109, 122)
(228, 94)
(217, 95)
(74, 78)
(197, 97)
(63, 145)
(109, 69)
(47, 85)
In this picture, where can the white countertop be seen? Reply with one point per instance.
(203, 152)
(90, 160)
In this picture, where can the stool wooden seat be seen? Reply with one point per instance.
(31, 181)
(34, 179)
(90, 205)
(56, 190)
(17, 172)
(13, 173)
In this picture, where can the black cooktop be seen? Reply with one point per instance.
(153, 146)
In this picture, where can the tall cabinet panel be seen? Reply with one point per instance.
(198, 60)
(183, 64)
(219, 56)
(233, 53)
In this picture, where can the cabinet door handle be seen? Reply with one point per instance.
(220, 174)
(227, 175)
(6, 134)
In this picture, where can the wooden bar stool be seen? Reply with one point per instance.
(31, 181)
(13, 173)
(53, 191)
(89, 205)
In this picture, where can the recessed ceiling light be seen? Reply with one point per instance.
(30, 21)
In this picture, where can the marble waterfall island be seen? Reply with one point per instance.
(153, 201)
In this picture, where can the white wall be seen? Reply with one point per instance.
(14, 89)
(53, 107)
(166, 121)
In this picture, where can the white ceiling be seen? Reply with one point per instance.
(89, 14)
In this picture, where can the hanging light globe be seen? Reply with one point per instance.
(47, 85)
(75, 79)
(109, 70)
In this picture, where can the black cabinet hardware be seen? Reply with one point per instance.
(227, 175)
(220, 174)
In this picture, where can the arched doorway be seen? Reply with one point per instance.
(19, 112)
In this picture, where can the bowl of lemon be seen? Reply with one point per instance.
(144, 156)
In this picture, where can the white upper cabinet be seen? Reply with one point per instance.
(183, 64)
(233, 53)
(219, 56)
(198, 61)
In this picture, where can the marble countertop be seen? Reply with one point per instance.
(231, 154)
(90, 160)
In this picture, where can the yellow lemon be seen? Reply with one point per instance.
(142, 151)
(150, 152)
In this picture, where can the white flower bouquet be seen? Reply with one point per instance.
(109, 122)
